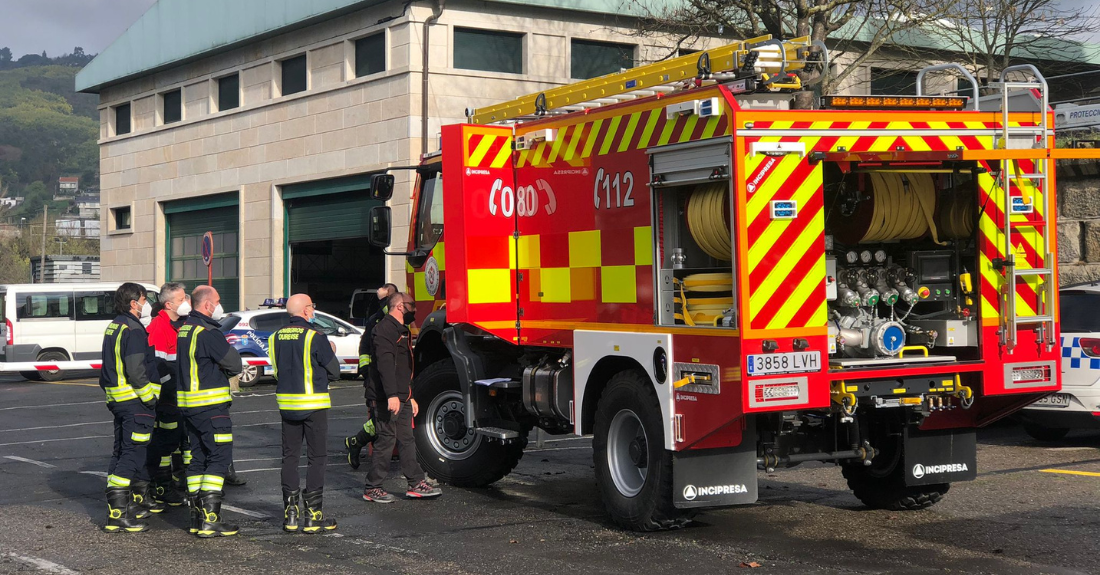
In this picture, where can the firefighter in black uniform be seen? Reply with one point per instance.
(203, 361)
(365, 435)
(168, 433)
(129, 380)
(393, 408)
(304, 362)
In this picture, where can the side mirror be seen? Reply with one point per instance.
(341, 331)
(379, 233)
(381, 187)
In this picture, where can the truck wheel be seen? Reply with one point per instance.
(1044, 433)
(446, 448)
(48, 356)
(633, 468)
(882, 484)
(250, 374)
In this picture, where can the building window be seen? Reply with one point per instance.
(122, 119)
(488, 51)
(121, 218)
(592, 59)
(293, 75)
(229, 92)
(370, 55)
(888, 82)
(173, 106)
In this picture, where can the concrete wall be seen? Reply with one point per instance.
(1078, 221)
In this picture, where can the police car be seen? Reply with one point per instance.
(1077, 406)
(247, 331)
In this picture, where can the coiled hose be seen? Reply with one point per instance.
(904, 206)
(704, 310)
(707, 209)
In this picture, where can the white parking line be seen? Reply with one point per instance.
(239, 471)
(31, 461)
(100, 402)
(42, 564)
(102, 474)
(255, 514)
(57, 426)
(54, 440)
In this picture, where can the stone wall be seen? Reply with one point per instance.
(1078, 221)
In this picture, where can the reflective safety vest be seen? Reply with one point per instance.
(203, 358)
(303, 362)
(129, 372)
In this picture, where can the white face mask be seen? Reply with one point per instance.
(183, 309)
(219, 313)
(146, 310)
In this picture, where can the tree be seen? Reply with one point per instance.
(854, 30)
(5, 56)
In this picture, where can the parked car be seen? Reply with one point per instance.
(1077, 406)
(56, 322)
(364, 302)
(247, 332)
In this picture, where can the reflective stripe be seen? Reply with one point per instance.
(140, 437)
(271, 354)
(165, 355)
(187, 457)
(120, 393)
(223, 438)
(166, 461)
(150, 392)
(212, 482)
(307, 363)
(204, 398)
(194, 365)
(116, 481)
(364, 360)
(168, 424)
(303, 401)
(194, 483)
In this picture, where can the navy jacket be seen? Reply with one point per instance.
(304, 362)
(129, 371)
(204, 362)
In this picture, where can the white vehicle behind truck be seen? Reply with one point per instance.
(48, 323)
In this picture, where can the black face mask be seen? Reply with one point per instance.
(409, 317)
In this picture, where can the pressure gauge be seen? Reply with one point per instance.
(865, 256)
(852, 257)
(880, 256)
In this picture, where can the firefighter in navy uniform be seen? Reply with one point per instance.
(366, 434)
(131, 396)
(203, 361)
(168, 433)
(304, 362)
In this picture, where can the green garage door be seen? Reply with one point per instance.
(331, 217)
(187, 222)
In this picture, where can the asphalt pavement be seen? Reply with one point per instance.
(1033, 509)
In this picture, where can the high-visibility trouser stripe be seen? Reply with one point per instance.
(302, 401)
(150, 392)
(166, 461)
(211, 482)
(168, 424)
(364, 360)
(203, 398)
(306, 361)
(140, 437)
(121, 392)
(187, 457)
(194, 483)
(116, 481)
(223, 438)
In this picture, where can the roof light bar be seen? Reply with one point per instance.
(894, 102)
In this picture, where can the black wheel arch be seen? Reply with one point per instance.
(597, 381)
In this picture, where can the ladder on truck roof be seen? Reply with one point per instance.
(1035, 91)
(745, 60)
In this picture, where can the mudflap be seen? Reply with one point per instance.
(716, 477)
(943, 456)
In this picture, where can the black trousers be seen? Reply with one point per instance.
(210, 431)
(314, 429)
(168, 435)
(133, 430)
(393, 429)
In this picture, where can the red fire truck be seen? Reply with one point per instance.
(672, 260)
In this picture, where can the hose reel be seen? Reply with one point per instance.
(704, 309)
(708, 211)
(903, 206)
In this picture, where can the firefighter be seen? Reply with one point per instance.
(365, 435)
(131, 397)
(168, 432)
(393, 407)
(204, 363)
(304, 362)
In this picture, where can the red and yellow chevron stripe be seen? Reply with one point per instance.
(486, 148)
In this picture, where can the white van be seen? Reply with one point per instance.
(56, 322)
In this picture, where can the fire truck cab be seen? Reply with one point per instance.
(710, 283)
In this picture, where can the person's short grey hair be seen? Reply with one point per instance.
(170, 288)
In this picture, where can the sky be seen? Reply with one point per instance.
(57, 26)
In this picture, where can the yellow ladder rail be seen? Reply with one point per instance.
(773, 57)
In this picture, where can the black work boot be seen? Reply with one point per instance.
(291, 511)
(314, 518)
(195, 506)
(354, 448)
(143, 496)
(120, 512)
(212, 524)
(165, 490)
(231, 477)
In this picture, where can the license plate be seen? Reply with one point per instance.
(349, 368)
(1056, 400)
(793, 362)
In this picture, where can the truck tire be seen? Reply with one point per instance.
(446, 448)
(633, 468)
(1044, 433)
(882, 484)
(48, 356)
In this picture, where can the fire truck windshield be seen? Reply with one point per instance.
(429, 214)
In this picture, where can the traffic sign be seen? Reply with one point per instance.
(208, 256)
